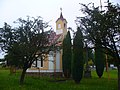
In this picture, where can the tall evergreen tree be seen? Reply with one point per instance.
(99, 60)
(77, 67)
(67, 55)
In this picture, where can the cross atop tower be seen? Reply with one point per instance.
(61, 16)
(61, 9)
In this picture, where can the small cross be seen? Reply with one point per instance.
(61, 9)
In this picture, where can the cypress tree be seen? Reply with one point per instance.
(99, 60)
(67, 55)
(77, 67)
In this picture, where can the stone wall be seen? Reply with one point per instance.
(48, 74)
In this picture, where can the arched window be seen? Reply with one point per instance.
(59, 25)
(64, 25)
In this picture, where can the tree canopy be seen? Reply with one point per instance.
(102, 27)
(26, 42)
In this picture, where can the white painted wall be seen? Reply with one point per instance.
(57, 60)
(59, 31)
(51, 62)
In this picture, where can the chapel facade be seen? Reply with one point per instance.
(53, 61)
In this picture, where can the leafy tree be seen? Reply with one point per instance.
(67, 55)
(26, 42)
(103, 28)
(12, 57)
(77, 67)
(99, 60)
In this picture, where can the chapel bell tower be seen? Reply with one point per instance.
(61, 25)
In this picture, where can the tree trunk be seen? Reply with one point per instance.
(87, 72)
(22, 76)
(12, 70)
(118, 77)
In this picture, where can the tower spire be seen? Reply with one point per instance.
(61, 16)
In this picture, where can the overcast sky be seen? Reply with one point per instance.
(11, 10)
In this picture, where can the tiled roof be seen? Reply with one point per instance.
(54, 39)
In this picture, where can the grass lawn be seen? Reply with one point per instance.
(11, 82)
